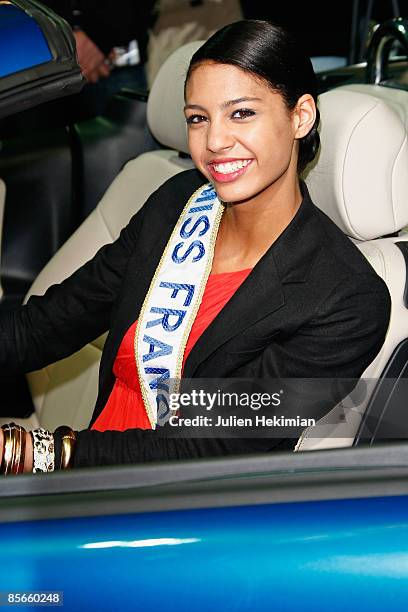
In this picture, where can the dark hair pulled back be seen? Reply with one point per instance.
(271, 53)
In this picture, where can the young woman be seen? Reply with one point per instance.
(227, 271)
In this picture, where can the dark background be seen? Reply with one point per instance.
(324, 26)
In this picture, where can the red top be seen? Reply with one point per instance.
(125, 408)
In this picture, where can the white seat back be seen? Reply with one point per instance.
(361, 181)
(396, 98)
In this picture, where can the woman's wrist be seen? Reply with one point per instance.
(17, 449)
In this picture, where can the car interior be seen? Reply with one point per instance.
(359, 180)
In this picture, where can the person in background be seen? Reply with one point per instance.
(111, 39)
(178, 22)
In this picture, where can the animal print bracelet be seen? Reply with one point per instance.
(43, 450)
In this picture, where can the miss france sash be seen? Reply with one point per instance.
(173, 299)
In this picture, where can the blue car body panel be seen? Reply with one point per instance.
(22, 42)
(308, 555)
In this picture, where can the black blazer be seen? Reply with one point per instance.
(311, 308)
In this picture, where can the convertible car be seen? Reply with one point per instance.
(324, 527)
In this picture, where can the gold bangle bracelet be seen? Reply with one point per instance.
(16, 434)
(21, 459)
(8, 452)
(2, 461)
(14, 449)
(67, 448)
(23, 453)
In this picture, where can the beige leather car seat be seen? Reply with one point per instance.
(361, 182)
(396, 98)
(355, 127)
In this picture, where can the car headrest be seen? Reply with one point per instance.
(165, 115)
(360, 178)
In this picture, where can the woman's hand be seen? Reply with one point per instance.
(90, 58)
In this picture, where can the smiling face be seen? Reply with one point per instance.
(241, 135)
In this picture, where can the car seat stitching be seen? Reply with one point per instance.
(344, 161)
(392, 181)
